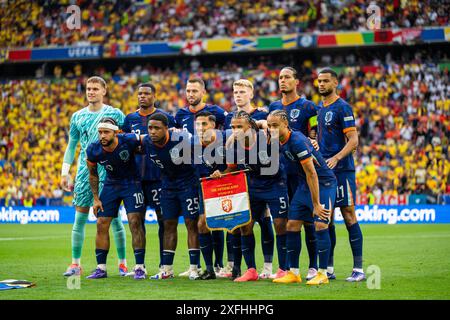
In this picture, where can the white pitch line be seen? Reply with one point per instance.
(31, 238)
(400, 237)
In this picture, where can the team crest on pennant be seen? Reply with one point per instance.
(328, 117)
(226, 202)
(227, 205)
(295, 113)
(124, 155)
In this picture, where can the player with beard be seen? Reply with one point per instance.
(185, 119)
(338, 138)
(115, 152)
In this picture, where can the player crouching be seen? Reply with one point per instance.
(116, 153)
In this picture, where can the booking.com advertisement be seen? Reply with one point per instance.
(376, 214)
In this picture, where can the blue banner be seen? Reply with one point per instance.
(433, 35)
(382, 214)
(135, 49)
(430, 214)
(85, 52)
(23, 215)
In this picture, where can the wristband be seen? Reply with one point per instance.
(65, 169)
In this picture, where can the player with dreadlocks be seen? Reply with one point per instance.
(313, 200)
(253, 150)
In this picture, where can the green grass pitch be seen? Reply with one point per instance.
(414, 261)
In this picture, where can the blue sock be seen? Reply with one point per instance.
(248, 250)
(323, 247)
(218, 245)
(139, 255)
(267, 239)
(230, 251)
(237, 251)
(281, 250)
(311, 244)
(206, 246)
(194, 257)
(332, 231)
(101, 256)
(161, 241)
(294, 247)
(356, 243)
(168, 256)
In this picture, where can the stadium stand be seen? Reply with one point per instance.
(402, 112)
(42, 23)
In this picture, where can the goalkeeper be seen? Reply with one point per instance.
(83, 129)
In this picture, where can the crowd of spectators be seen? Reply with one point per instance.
(43, 23)
(402, 111)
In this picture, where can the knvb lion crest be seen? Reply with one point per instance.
(220, 151)
(295, 113)
(328, 117)
(227, 205)
(124, 155)
(264, 157)
(174, 153)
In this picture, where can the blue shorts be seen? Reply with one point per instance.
(152, 194)
(112, 196)
(180, 201)
(301, 206)
(275, 197)
(346, 189)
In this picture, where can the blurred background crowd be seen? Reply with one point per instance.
(401, 101)
(42, 23)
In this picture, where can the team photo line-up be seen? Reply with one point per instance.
(297, 157)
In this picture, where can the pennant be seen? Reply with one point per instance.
(226, 202)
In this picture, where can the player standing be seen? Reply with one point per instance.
(185, 119)
(338, 138)
(115, 152)
(136, 122)
(253, 151)
(302, 116)
(83, 129)
(243, 95)
(179, 190)
(312, 201)
(211, 143)
(195, 92)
